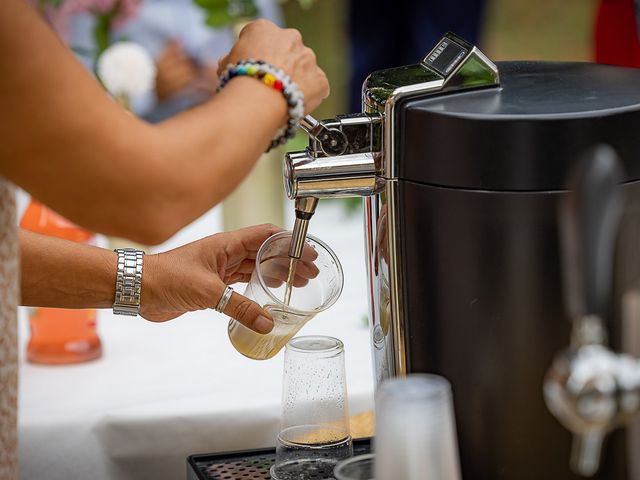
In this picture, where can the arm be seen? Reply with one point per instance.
(70, 146)
(60, 273)
(64, 274)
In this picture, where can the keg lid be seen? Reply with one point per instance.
(525, 135)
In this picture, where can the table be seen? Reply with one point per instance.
(164, 391)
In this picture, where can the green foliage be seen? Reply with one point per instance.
(211, 4)
(299, 142)
(101, 32)
(352, 205)
(218, 18)
(221, 13)
(102, 37)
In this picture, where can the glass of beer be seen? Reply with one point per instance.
(314, 432)
(293, 291)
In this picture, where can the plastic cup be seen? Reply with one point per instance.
(415, 430)
(267, 287)
(356, 468)
(314, 434)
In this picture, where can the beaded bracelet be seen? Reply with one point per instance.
(275, 78)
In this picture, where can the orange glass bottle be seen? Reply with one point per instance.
(59, 335)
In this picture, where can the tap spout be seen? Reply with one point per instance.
(305, 208)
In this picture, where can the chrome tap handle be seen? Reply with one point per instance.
(589, 218)
(343, 135)
(324, 140)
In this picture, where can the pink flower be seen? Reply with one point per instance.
(125, 10)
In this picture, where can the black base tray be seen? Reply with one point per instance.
(245, 465)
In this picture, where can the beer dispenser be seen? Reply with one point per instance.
(464, 166)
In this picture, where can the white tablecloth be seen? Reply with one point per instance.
(164, 391)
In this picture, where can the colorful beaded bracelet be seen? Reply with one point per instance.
(274, 78)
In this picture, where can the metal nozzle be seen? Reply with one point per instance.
(305, 208)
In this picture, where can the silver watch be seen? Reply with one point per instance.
(128, 281)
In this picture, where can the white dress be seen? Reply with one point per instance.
(8, 332)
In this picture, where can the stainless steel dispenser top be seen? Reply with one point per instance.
(351, 155)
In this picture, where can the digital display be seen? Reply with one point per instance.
(445, 56)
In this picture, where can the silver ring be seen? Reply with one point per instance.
(224, 300)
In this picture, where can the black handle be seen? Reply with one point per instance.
(589, 220)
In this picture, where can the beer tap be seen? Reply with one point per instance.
(339, 161)
(305, 207)
(589, 388)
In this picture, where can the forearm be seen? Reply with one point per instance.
(214, 146)
(175, 171)
(145, 182)
(60, 273)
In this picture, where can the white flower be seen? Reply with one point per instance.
(126, 68)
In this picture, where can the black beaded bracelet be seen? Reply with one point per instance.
(275, 78)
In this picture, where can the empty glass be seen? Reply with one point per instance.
(356, 468)
(415, 430)
(315, 287)
(314, 433)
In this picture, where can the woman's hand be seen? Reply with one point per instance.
(194, 276)
(283, 48)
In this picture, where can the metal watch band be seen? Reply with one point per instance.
(128, 281)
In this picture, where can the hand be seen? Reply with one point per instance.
(194, 276)
(283, 48)
(175, 71)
